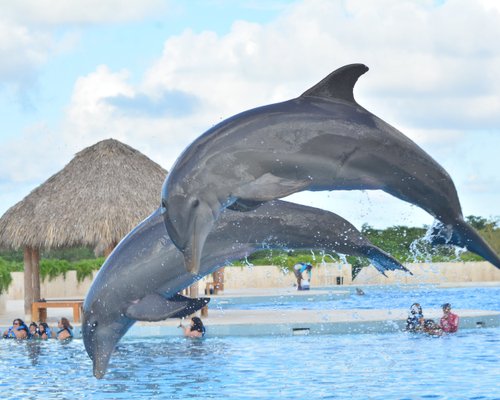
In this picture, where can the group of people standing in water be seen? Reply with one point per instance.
(417, 323)
(19, 330)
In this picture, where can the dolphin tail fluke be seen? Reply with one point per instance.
(383, 261)
(461, 234)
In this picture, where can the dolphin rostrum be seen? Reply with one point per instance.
(321, 140)
(141, 277)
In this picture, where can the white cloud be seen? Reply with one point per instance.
(57, 12)
(22, 52)
(30, 33)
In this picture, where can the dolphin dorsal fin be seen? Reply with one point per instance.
(339, 84)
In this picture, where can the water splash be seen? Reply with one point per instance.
(325, 255)
(247, 263)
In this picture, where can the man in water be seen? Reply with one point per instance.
(449, 321)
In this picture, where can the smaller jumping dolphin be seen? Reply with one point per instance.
(321, 140)
(141, 277)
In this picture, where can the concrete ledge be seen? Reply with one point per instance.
(305, 322)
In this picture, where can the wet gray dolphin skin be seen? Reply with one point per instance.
(140, 278)
(321, 140)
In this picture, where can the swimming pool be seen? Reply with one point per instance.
(381, 297)
(383, 366)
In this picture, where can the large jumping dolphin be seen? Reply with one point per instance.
(141, 277)
(321, 140)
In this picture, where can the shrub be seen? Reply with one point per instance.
(85, 268)
(53, 268)
(5, 277)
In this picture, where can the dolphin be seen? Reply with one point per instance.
(142, 276)
(321, 140)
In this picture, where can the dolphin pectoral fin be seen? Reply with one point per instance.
(269, 187)
(192, 305)
(155, 307)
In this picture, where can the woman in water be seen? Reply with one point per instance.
(44, 331)
(65, 329)
(195, 329)
(18, 330)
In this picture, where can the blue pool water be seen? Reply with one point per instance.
(385, 297)
(465, 365)
(386, 366)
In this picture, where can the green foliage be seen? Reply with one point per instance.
(490, 230)
(69, 254)
(12, 255)
(5, 277)
(54, 268)
(85, 268)
(281, 258)
(53, 263)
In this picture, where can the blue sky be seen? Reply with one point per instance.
(156, 74)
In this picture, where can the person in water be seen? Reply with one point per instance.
(195, 330)
(33, 330)
(415, 320)
(44, 331)
(65, 329)
(18, 330)
(431, 328)
(298, 270)
(449, 321)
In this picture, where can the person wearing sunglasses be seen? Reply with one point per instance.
(18, 330)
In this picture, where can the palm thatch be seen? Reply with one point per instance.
(105, 191)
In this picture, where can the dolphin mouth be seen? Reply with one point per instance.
(100, 363)
(99, 373)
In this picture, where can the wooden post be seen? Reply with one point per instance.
(28, 284)
(193, 293)
(193, 290)
(35, 271)
(218, 277)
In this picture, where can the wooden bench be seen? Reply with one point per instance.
(39, 308)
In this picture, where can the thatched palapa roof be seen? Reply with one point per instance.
(105, 191)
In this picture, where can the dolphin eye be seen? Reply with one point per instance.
(195, 203)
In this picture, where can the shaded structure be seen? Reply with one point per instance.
(94, 201)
